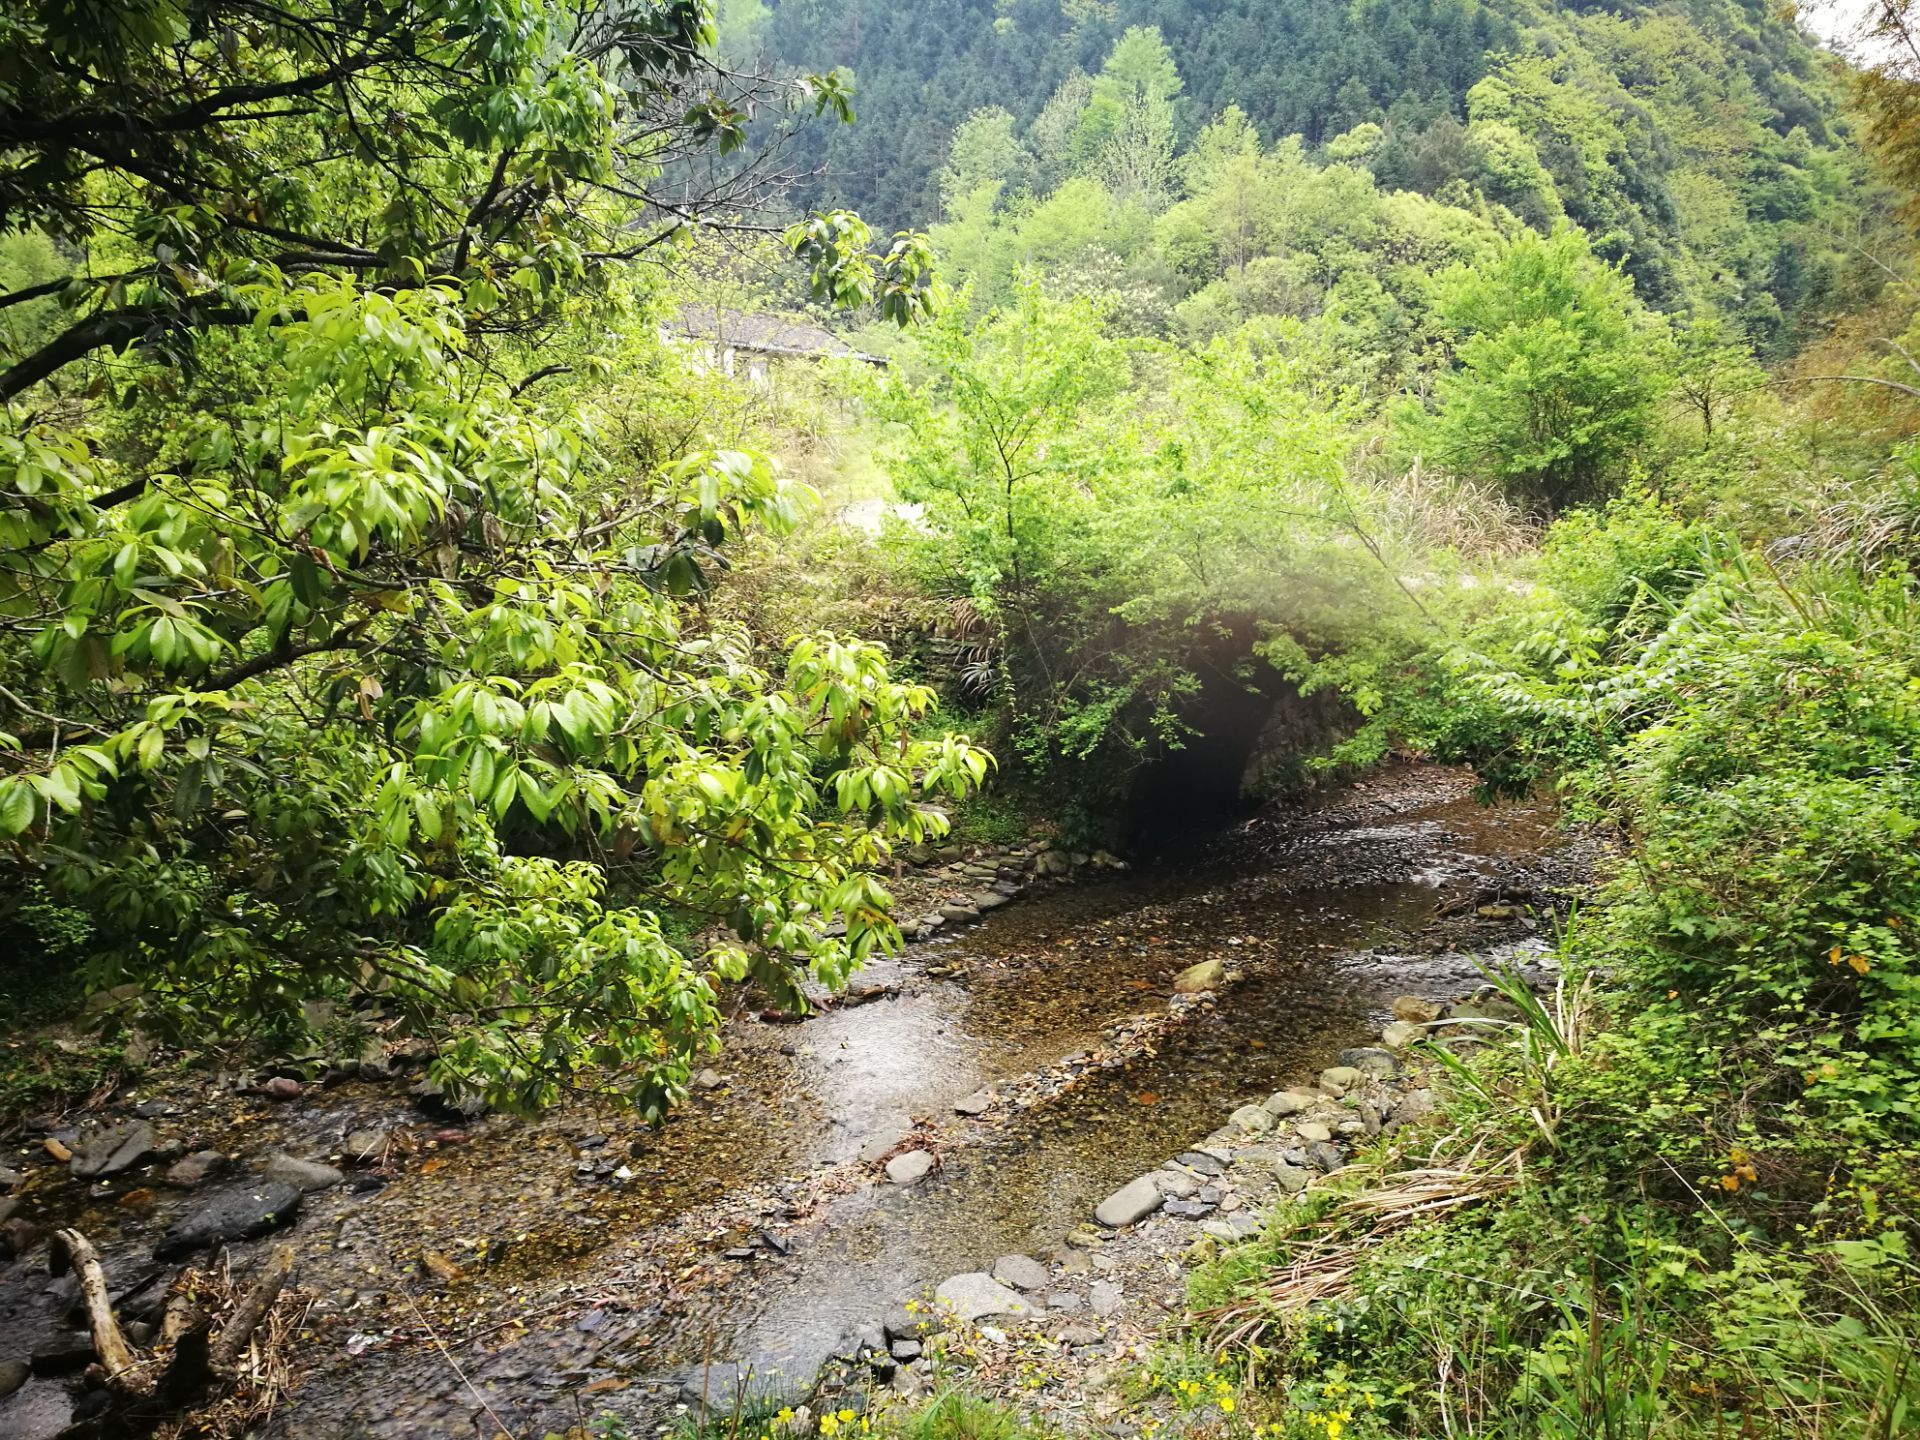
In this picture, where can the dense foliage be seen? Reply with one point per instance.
(337, 659)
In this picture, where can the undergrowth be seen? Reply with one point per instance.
(1705, 1218)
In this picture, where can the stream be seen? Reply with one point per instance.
(594, 1264)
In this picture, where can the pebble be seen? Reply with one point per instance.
(1311, 1130)
(1198, 979)
(307, 1176)
(1132, 1202)
(1176, 1184)
(1253, 1119)
(1371, 1060)
(977, 1103)
(13, 1374)
(1200, 1162)
(1338, 1079)
(911, 1167)
(1105, 1297)
(1415, 1011)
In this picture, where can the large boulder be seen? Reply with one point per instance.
(239, 1212)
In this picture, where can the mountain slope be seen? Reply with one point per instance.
(1697, 141)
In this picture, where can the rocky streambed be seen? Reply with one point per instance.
(967, 1117)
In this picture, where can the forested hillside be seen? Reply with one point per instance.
(1697, 142)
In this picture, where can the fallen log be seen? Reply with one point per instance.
(123, 1369)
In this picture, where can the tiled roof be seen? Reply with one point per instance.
(766, 334)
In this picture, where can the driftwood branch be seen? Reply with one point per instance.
(123, 1369)
(237, 1333)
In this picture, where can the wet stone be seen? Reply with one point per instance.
(62, 1355)
(1020, 1271)
(13, 1374)
(111, 1151)
(1413, 1010)
(238, 1213)
(1200, 1162)
(194, 1169)
(307, 1176)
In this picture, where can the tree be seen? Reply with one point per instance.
(1555, 371)
(984, 153)
(1229, 137)
(1137, 160)
(340, 654)
(1051, 135)
(1711, 372)
(1139, 79)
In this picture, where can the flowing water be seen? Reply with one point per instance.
(602, 1261)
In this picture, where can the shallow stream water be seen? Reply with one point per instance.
(603, 1262)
